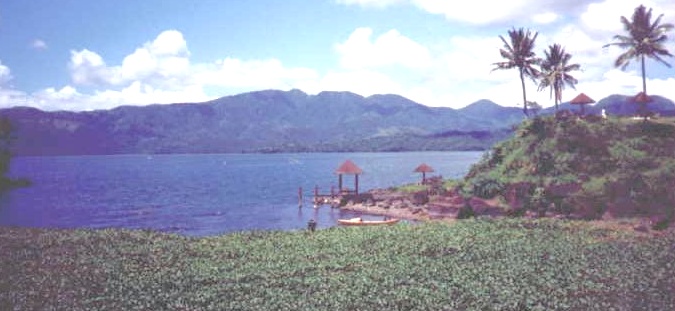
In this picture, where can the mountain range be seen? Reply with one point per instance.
(274, 121)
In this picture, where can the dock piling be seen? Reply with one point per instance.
(300, 197)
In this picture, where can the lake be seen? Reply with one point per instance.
(201, 195)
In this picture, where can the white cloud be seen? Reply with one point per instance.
(605, 16)
(545, 18)
(88, 68)
(390, 48)
(139, 93)
(165, 59)
(158, 72)
(254, 74)
(169, 43)
(5, 74)
(38, 44)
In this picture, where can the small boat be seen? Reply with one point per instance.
(358, 221)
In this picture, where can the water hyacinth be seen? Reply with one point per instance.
(508, 264)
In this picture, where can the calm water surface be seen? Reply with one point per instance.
(200, 195)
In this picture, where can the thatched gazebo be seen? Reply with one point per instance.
(582, 100)
(349, 168)
(424, 169)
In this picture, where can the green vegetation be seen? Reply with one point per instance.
(583, 166)
(506, 264)
(6, 137)
(411, 188)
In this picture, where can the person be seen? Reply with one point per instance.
(311, 225)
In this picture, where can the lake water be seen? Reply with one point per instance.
(200, 195)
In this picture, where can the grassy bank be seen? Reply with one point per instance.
(471, 265)
(589, 167)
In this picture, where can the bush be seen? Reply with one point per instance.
(465, 212)
(487, 188)
(591, 201)
(538, 202)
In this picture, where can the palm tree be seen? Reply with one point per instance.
(555, 70)
(644, 39)
(519, 53)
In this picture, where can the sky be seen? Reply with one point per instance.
(82, 55)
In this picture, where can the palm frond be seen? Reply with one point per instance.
(644, 38)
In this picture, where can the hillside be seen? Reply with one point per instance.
(587, 167)
(280, 121)
(263, 121)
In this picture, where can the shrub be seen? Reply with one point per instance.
(591, 201)
(487, 188)
(538, 202)
(465, 212)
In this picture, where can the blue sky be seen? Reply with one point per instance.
(87, 55)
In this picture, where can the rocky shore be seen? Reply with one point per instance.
(449, 205)
(419, 205)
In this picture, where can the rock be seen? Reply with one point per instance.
(659, 222)
(420, 198)
(641, 228)
(398, 204)
(480, 207)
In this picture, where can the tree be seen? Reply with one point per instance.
(6, 138)
(555, 70)
(644, 38)
(534, 107)
(519, 53)
(6, 130)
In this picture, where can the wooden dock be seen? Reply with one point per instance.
(334, 198)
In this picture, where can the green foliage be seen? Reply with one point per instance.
(6, 138)
(591, 201)
(486, 188)
(412, 188)
(6, 130)
(618, 163)
(503, 264)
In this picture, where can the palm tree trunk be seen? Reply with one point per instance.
(557, 97)
(522, 83)
(644, 81)
(643, 106)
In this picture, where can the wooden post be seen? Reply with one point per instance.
(340, 183)
(300, 197)
(356, 184)
(316, 195)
